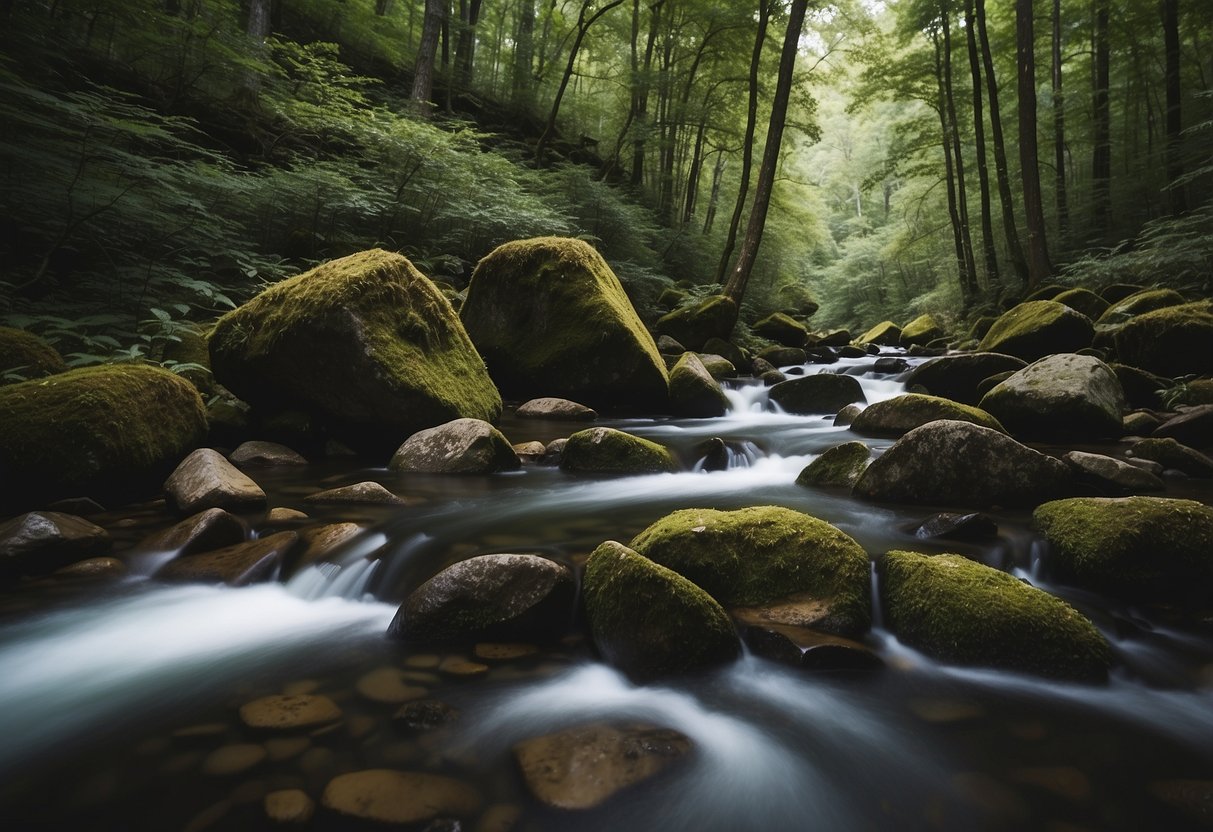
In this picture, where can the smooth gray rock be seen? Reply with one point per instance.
(1060, 396)
(463, 446)
(204, 479)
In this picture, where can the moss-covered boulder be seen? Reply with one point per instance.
(1061, 396)
(980, 327)
(884, 334)
(818, 393)
(761, 554)
(108, 430)
(1139, 548)
(718, 366)
(1173, 341)
(782, 329)
(922, 330)
(1084, 301)
(796, 298)
(900, 415)
(693, 391)
(728, 351)
(25, 356)
(839, 466)
(1049, 291)
(610, 451)
(959, 463)
(1139, 303)
(648, 620)
(364, 344)
(957, 377)
(1116, 292)
(1170, 453)
(961, 611)
(671, 297)
(551, 319)
(783, 356)
(693, 324)
(1038, 328)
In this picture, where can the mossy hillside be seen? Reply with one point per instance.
(1038, 328)
(610, 451)
(365, 343)
(1083, 301)
(922, 330)
(693, 324)
(1139, 303)
(552, 319)
(96, 430)
(884, 334)
(764, 553)
(1142, 548)
(961, 611)
(26, 355)
(901, 414)
(1174, 341)
(839, 466)
(650, 621)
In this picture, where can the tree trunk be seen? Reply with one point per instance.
(1001, 169)
(748, 253)
(382, 7)
(964, 276)
(258, 27)
(1039, 267)
(427, 52)
(640, 95)
(962, 196)
(709, 217)
(1175, 165)
(696, 167)
(1059, 132)
(523, 83)
(979, 139)
(465, 46)
(1101, 160)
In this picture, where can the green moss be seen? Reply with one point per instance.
(1047, 292)
(781, 328)
(692, 325)
(981, 326)
(922, 330)
(96, 430)
(191, 348)
(1173, 341)
(1145, 548)
(1038, 328)
(798, 299)
(960, 611)
(783, 356)
(841, 466)
(1140, 303)
(718, 366)
(610, 451)
(551, 319)
(884, 334)
(670, 298)
(755, 555)
(26, 355)
(693, 390)
(650, 621)
(900, 415)
(728, 351)
(1084, 301)
(1170, 453)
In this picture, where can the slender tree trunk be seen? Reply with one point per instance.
(696, 167)
(962, 196)
(964, 276)
(465, 45)
(1175, 165)
(382, 7)
(523, 82)
(1059, 132)
(1039, 267)
(709, 217)
(979, 139)
(640, 91)
(427, 52)
(258, 27)
(447, 75)
(748, 252)
(1001, 169)
(1101, 160)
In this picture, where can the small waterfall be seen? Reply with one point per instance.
(330, 580)
(749, 398)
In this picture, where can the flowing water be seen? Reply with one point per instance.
(113, 701)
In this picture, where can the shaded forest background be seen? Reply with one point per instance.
(163, 160)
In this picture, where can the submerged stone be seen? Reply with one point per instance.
(385, 796)
(238, 565)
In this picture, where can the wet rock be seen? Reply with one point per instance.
(921, 331)
(782, 329)
(363, 493)
(648, 620)
(1174, 341)
(92, 569)
(610, 451)
(40, 542)
(960, 611)
(757, 555)
(884, 334)
(320, 542)
(958, 463)
(1108, 476)
(803, 647)
(901, 414)
(398, 797)
(1060, 396)
(718, 366)
(583, 767)
(464, 446)
(693, 390)
(388, 686)
(840, 466)
(461, 666)
(692, 325)
(1141, 548)
(729, 351)
(79, 506)
(851, 351)
(289, 807)
(553, 451)
(890, 365)
(239, 565)
(817, 355)
(1140, 423)
(1083, 301)
(668, 346)
(289, 712)
(784, 356)
(557, 409)
(204, 479)
(847, 415)
(973, 526)
(714, 454)
(760, 367)
(772, 377)
(203, 532)
(1192, 797)
(1038, 328)
(229, 760)
(1139, 303)
(1193, 427)
(424, 715)
(1171, 454)
(284, 515)
(834, 338)
(818, 393)
(489, 598)
(258, 453)
(529, 453)
(957, 377)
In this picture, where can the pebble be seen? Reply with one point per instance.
(284, 712)
(422, 661)
(284, 748)
(289, 806)
(398, 797)
(233, 759)
(388, 686)
(499, 652)
(460, 666)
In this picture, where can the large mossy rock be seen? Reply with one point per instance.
(610, 451)
(817, 393)
(900, 415)
(107, 430)
(960, 611)
(649, 621)
(840, 466)
(1083, 301)
(1038, 328)
(26, 355)
(783, 329)
(884, 334)
(693, 390)
(463, 446)
(757, 555)
(551, 319)
(694, 324)
(1139, 548)
(1173, 341)
(365, 345)
(1139, 303)
(1061, 396)
(958, 463)
(922, 330)
(797, 298)
(957, 377)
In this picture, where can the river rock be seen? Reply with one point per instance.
(839, 466)
(1171, 454)
(693, 324)
(386, 796)
(957, 377)
(900, 415)
(818, 393)
(961, 611)
(1105, 475)
(784, 356)
(801, 646)
(551, 318)
(367, 493)
(718, 366)
(202, 532)
(489, 598)
(582, 767)
(553, 451)
(530, 453)
(91, 569)
(610, 451)
(1138, 303)
(256, 452)
(693, 390)
(128, 425)
(556, 409)
(26, 355)
(757, 555)
(1083, 301)
(668, 346)
(890, 365)
(1038, 328)
(1140, 387)
(847, 415)
(959, 463)
(464, 446)
(204, 479)
(244, 563)
(40, 542)
(729, 352)
(320, 542)
(884, 334)
(1193, 427)
(424, 715)
(648, 620)
(1060, 396)
(1115, 292)
(229, 760)
(782, 329)
(1174, 341)
(365, 345)
(289, 807)
(289, 712)
(973, 526)
(388, 686)
(1140, 548)
(921, 331)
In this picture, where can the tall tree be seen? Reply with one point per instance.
(641, 82)
(1175, 165)
(523, 82)
(952, 132)
(436, 12)
(1101, 159)
(1059, 131)
(979, 141)
(465, 45)
(1039, 267)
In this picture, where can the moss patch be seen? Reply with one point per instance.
(922, 330)
(961, 611)
(693, 391)
(1140, 303)
(610, 451)
(692, 325)
(1084, 301)
(1174, 341)
(1170, 453)
(26, 355)
(783, 329)
(901, 414)
(884, 334)
(841, 466)
(1038, 328)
